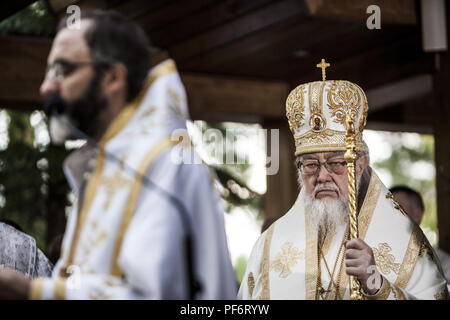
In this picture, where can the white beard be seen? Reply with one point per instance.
(59, 130)
(326, 216)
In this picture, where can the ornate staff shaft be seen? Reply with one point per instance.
(350, 157)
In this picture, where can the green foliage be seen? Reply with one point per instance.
(400, 166)
(21, 180)
(239, 268)
(34, 20)
(233, 176)
(25, 175)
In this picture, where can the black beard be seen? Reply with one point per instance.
(84, 112)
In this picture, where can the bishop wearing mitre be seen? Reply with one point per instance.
(309, 252)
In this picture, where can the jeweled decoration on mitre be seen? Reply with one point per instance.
(316, 112)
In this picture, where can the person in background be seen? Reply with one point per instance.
(411, 201)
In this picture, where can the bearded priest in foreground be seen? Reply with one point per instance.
(307, 253)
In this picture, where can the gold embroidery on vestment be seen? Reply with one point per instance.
(443, 295)
(398, 293)
(250, 284)
(287, 258)
(397, 206)
(410, 258)
(114, 183)
(384, 260)
(265, 293)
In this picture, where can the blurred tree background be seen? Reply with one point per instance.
(230, 164)
(34, 20)
(31, 176)
(409, 160)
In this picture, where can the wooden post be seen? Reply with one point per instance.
(442, 141)
(282, 188)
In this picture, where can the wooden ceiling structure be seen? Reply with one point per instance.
(252, 52)
(240, 58)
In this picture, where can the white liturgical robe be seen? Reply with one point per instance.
(140, 214)
(284, 263)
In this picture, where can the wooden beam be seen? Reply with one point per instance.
(230, 98)
(173, 24)
(23, 62)
(399, 91)
(254, 21)
(282, 188)
(373, 68)
(441, 113)
(411, 115)
(277, 51)
(136, 9)
(399, 127)
(60, 6)
(210, 96)
(392, 11)
(270, 42)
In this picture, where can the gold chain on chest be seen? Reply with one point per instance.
(320, 291)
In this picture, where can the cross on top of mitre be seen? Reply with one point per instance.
(323, 65)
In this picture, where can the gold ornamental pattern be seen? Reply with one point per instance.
(443, 295)
(384, 260)
(343, 97)
(396, 205)
(295, 107)
(315, 97)
(250, 283)
(285, 259)
(326, 140)
(365, 111)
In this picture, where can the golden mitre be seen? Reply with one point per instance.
(317, 112)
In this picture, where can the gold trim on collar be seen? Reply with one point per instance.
(265, 294)
(127, 113)
(369, 204)
(133, 198)
(410, 258)
(89, 192)
(60, 289)
(311, 253)
(36, 289)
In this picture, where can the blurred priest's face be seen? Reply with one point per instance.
(324, 176)
(72, 77)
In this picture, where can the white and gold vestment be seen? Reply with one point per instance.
(127, 236)
(288, 262)
(284, 261)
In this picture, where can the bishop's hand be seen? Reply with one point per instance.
(13, 285)
(360, 262)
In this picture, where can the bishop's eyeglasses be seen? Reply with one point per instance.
(312, 167)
